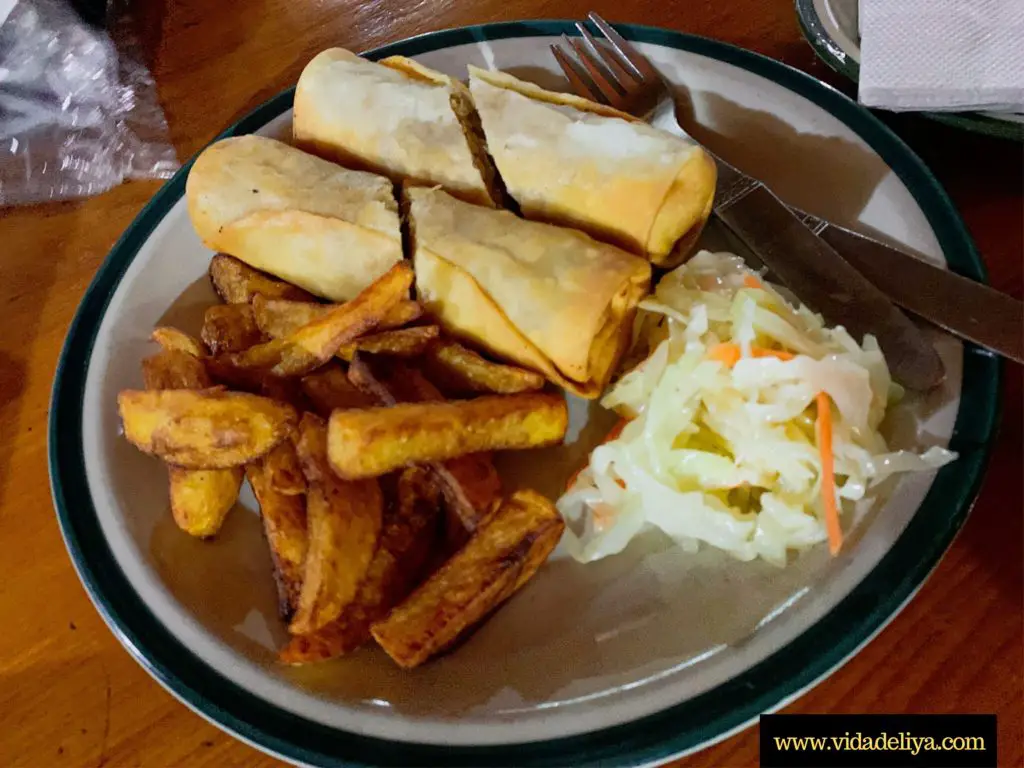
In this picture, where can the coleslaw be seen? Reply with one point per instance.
(745, 428)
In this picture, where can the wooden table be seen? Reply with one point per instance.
(70, 695)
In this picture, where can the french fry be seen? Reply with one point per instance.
(344, 524)
(322, 337)
(204, 429)
(504, 553)
(460, 370)
(404, 312)
(312, 345)
(281, 466)
(329, 389)
(173, 339)
(406, 541)
(470, 484)
(278, 318)
(174, 369)
(285, 391)
(375, 441)
(284, 525)
(402, 342)
(230, 328)
(236, 282)
(201, 498)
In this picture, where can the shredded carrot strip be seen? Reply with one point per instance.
(613, 433)
(752, 282)
(828, 478)
(729, 354)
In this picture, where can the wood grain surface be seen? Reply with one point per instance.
(70, 695)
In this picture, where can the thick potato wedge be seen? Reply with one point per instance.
(344, 523)
(470, 484)
(236, 282)
(278, 318)
(174, 369)
(204, 429)
(312, 345)
(459, 370)
(202, 498)
(322, 337)
(372, 442)
(509, 547)
(284, 525)
(402, 342)
(230, 328)
(248, 369)
(286, 391)
(406, 541)
(329, 389)
(173, 339)
(281, 465)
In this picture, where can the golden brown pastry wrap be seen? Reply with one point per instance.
(549, 298)
(324, 228)
(570, 161)
(395, 117)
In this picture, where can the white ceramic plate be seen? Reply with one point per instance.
(832, 28)
(626, 661)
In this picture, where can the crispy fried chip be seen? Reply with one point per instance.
(470, 484)
(344, 524)
(281, 466)
(322, 337)
(459, 370)
(247, 369)
(374, 441)
(403, 342)
(204, 429)
(173, 339)
(230, 328)
(174, 369)
(284, 525)
(406, 541)
(236, 282)
(313, 344)
(329, 389)
(278, 318)
(509, 547)
(202, 498)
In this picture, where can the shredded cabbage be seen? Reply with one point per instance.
(727, 455)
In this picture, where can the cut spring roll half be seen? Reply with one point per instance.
(329, 230)
(549, 298)
(571, 161)
(395, 117)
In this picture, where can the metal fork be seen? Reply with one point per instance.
(616, 74)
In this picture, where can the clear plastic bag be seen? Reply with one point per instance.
(78, 109)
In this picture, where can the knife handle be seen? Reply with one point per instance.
(964, 307)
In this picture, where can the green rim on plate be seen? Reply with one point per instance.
(683, 727)
(844, 63)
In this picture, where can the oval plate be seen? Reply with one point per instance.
(830, 26)
(628, 661)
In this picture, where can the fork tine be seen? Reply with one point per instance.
(576, 77)
(610, 59)
(631, 56)
(603, 80)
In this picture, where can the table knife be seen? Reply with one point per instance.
(822, 279)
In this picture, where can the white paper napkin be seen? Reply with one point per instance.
(942, 55)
